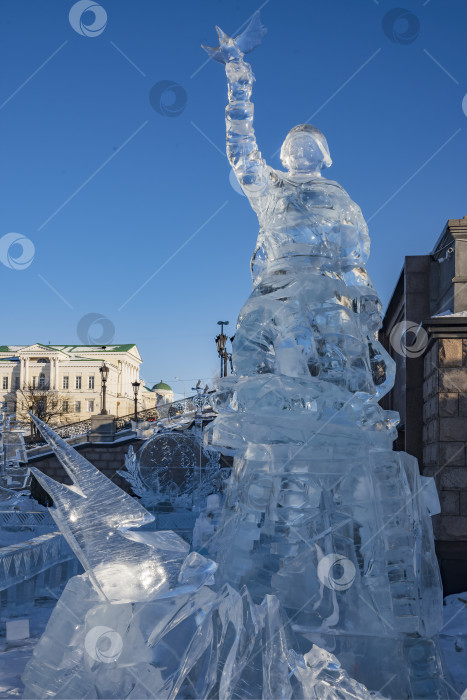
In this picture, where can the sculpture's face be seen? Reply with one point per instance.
(302, 152)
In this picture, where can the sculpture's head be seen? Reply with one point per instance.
(305, 150)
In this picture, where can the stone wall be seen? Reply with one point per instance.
(107, 457)
(445, 447)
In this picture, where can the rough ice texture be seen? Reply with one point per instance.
(150, 620)
(95, 516)
(321, 513)
(192, 643)
(327, 571)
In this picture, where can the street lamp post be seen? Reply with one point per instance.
(136, 386)
(199, 403)
(32, 427)
(104, 370)
(221, 342)
(5, 426)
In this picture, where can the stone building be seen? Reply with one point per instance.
(164, 393)
(425, 331)
(71, 373)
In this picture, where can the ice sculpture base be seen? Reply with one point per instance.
(192, 643)
(336, 525)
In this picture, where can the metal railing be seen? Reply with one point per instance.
(163, 411)
(81, 427)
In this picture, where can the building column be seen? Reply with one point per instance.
(21, 373)
(52, 374)
(57, 379)
(458, 229)
(26, 372)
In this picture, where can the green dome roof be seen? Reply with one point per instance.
(162, 385)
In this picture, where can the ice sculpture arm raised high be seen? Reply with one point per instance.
(252, 172)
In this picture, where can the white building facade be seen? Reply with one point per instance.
(71, 374)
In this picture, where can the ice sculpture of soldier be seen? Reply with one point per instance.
(327, 527)
(309, 227)
(320, 511)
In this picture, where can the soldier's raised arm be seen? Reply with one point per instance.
(244, 156)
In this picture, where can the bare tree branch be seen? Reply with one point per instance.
(40, 400)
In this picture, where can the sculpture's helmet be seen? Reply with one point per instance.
(305, 149)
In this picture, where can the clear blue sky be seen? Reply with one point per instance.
(108, 189)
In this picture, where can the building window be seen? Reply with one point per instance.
(16, 382)
(66, 383)
(77, 406)
(78, 383)
(91, 382)
(90, 406)
(5, 383)
(65, 407)
(41, 380)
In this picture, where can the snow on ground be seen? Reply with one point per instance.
(15, 655)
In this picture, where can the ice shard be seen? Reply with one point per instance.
(96, 517)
